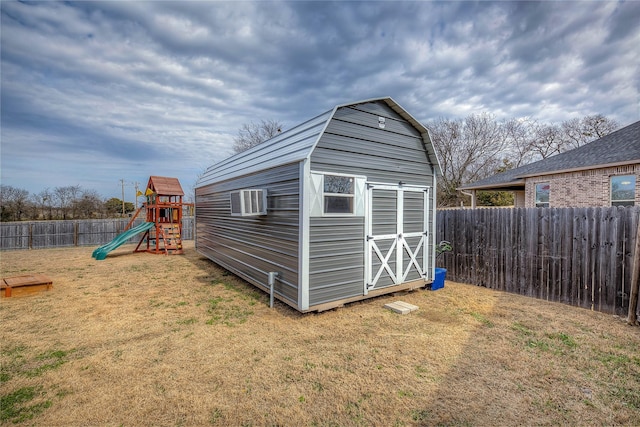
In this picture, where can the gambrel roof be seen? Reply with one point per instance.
(297, 144)
(621, 147)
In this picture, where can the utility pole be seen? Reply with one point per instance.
(122, 182)
(137, 185)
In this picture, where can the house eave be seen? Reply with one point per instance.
(519, 182)
(581, 168)
(503, 186)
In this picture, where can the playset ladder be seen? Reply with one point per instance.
(170, 235)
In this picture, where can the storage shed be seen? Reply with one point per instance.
(341, 207)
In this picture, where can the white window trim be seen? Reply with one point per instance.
(359, 195)
(252, 209)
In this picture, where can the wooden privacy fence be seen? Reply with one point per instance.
(89, 232)
(577, 256)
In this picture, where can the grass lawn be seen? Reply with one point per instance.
(151, 340)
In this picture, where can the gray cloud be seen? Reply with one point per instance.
(98, 91)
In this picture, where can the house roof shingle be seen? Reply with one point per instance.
(617, 148)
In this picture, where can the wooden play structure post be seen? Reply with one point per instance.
(163, 207)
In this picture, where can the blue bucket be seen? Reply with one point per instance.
(438, 281)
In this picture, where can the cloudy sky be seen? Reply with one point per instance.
(95, 92)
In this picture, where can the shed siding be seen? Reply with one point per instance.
(251, 247)
(354, 143)
(336, 259)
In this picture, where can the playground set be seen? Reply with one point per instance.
(162, 229)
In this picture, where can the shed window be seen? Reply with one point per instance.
(338, 194)
(251, 202)
(333, 194)
(623, 190)
(542, 195)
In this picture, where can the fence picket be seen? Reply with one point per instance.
(53, 234)
(577, 256)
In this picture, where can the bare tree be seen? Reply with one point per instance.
(469, 149)
(554, 139)
(75, 194)
(578, 132)
(520, 135)
(252, 134)
(14, 203)
(548, 141)
(65, 198)
(47, 202)
(41, 204)
(478, 146)
(89, 205)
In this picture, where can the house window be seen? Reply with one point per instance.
(623, 190)
(338, 194)
(542, 195)
(252, 202)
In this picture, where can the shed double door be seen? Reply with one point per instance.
(397, 235)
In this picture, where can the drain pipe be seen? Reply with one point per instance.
(473, 197)
(272, 282)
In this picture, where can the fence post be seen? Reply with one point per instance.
(632, 318)
(75, 233)
(30, 235)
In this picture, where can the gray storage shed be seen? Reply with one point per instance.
(341, 207)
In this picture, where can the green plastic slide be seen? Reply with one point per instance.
(102, 251)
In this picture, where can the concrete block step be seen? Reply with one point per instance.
(401, 307)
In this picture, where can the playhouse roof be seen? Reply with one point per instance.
(165, 186)
(296, 145)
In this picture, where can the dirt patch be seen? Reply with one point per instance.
(141, 339)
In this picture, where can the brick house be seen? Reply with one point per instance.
(604, 172)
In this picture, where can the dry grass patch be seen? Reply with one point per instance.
(140, 339)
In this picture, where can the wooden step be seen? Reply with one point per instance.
(401, 307)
